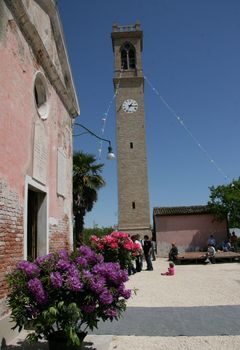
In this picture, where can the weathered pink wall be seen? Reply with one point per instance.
(18, 115)
(190, 232)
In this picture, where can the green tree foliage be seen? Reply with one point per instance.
(225, 201)
(97, 231)
(87, 180)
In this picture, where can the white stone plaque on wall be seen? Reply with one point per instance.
(40, 153)
(62, 171)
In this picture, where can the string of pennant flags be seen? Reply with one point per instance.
(105, 116)
(189, 132)
(174, 114)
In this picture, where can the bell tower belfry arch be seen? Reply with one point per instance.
(133, 197)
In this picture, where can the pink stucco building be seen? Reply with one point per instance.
(190, 227)
(37, 106)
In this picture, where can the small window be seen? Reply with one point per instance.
(133, 205)
(131, 145)
(40, 95)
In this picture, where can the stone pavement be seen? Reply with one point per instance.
(197, 309)
(173, 322)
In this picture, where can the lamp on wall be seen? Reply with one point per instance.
(110, 155)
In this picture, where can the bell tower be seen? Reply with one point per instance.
(133, 198)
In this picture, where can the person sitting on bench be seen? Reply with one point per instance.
(210, 256)
(173, 253)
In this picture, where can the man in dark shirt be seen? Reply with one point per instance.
(147, 249)
(173, 253)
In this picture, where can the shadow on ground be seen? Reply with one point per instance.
(25, 345)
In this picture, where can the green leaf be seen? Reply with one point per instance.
(53, 310)
(61, 304)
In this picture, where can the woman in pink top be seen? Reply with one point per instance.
(171, 270)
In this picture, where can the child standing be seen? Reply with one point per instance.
(171, 270)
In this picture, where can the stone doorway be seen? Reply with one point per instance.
(36, 223)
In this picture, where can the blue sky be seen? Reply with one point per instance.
(191, 55)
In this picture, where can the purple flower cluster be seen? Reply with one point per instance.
(36, 288)
(106, 297)
(87, 275)
(46, 259)
(74, 283)
(63, 264)
(29, 268)
(89, 308)
(97, 284)
(63, 254)
(96, 288)
(125, 293)
(111, 313)
(56, 279)
(81, 261)
(112, 271)
(91, 257)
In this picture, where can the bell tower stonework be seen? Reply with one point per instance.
(133, 198)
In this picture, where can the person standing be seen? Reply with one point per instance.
(131, 267)
(139, 258)
(154, 249)
(233, 241)
(147, 249)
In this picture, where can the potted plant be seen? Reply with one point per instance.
(117, 247)
(63, 294)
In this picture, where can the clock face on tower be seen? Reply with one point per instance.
(130, 106)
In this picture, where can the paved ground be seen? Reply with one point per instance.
(197, 309)
(172, 322)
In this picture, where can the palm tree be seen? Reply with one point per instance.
(86, 183)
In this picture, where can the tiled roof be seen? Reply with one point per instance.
(194, 209)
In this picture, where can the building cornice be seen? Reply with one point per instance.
(138, 80)
(65, 90)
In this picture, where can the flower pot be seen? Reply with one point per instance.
(58, 341)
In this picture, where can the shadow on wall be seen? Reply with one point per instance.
(197, 244)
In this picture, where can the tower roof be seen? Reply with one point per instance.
(184, 210)
(127, 31)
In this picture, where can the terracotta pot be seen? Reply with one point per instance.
(58, 341)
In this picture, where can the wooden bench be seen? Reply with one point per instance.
(201, 256)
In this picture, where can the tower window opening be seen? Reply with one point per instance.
(131, 55)
(133, 205)
(124, 59)
(128, 56)
(131, 144)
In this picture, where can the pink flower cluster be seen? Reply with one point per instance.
(116, 240)
(117, 247)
